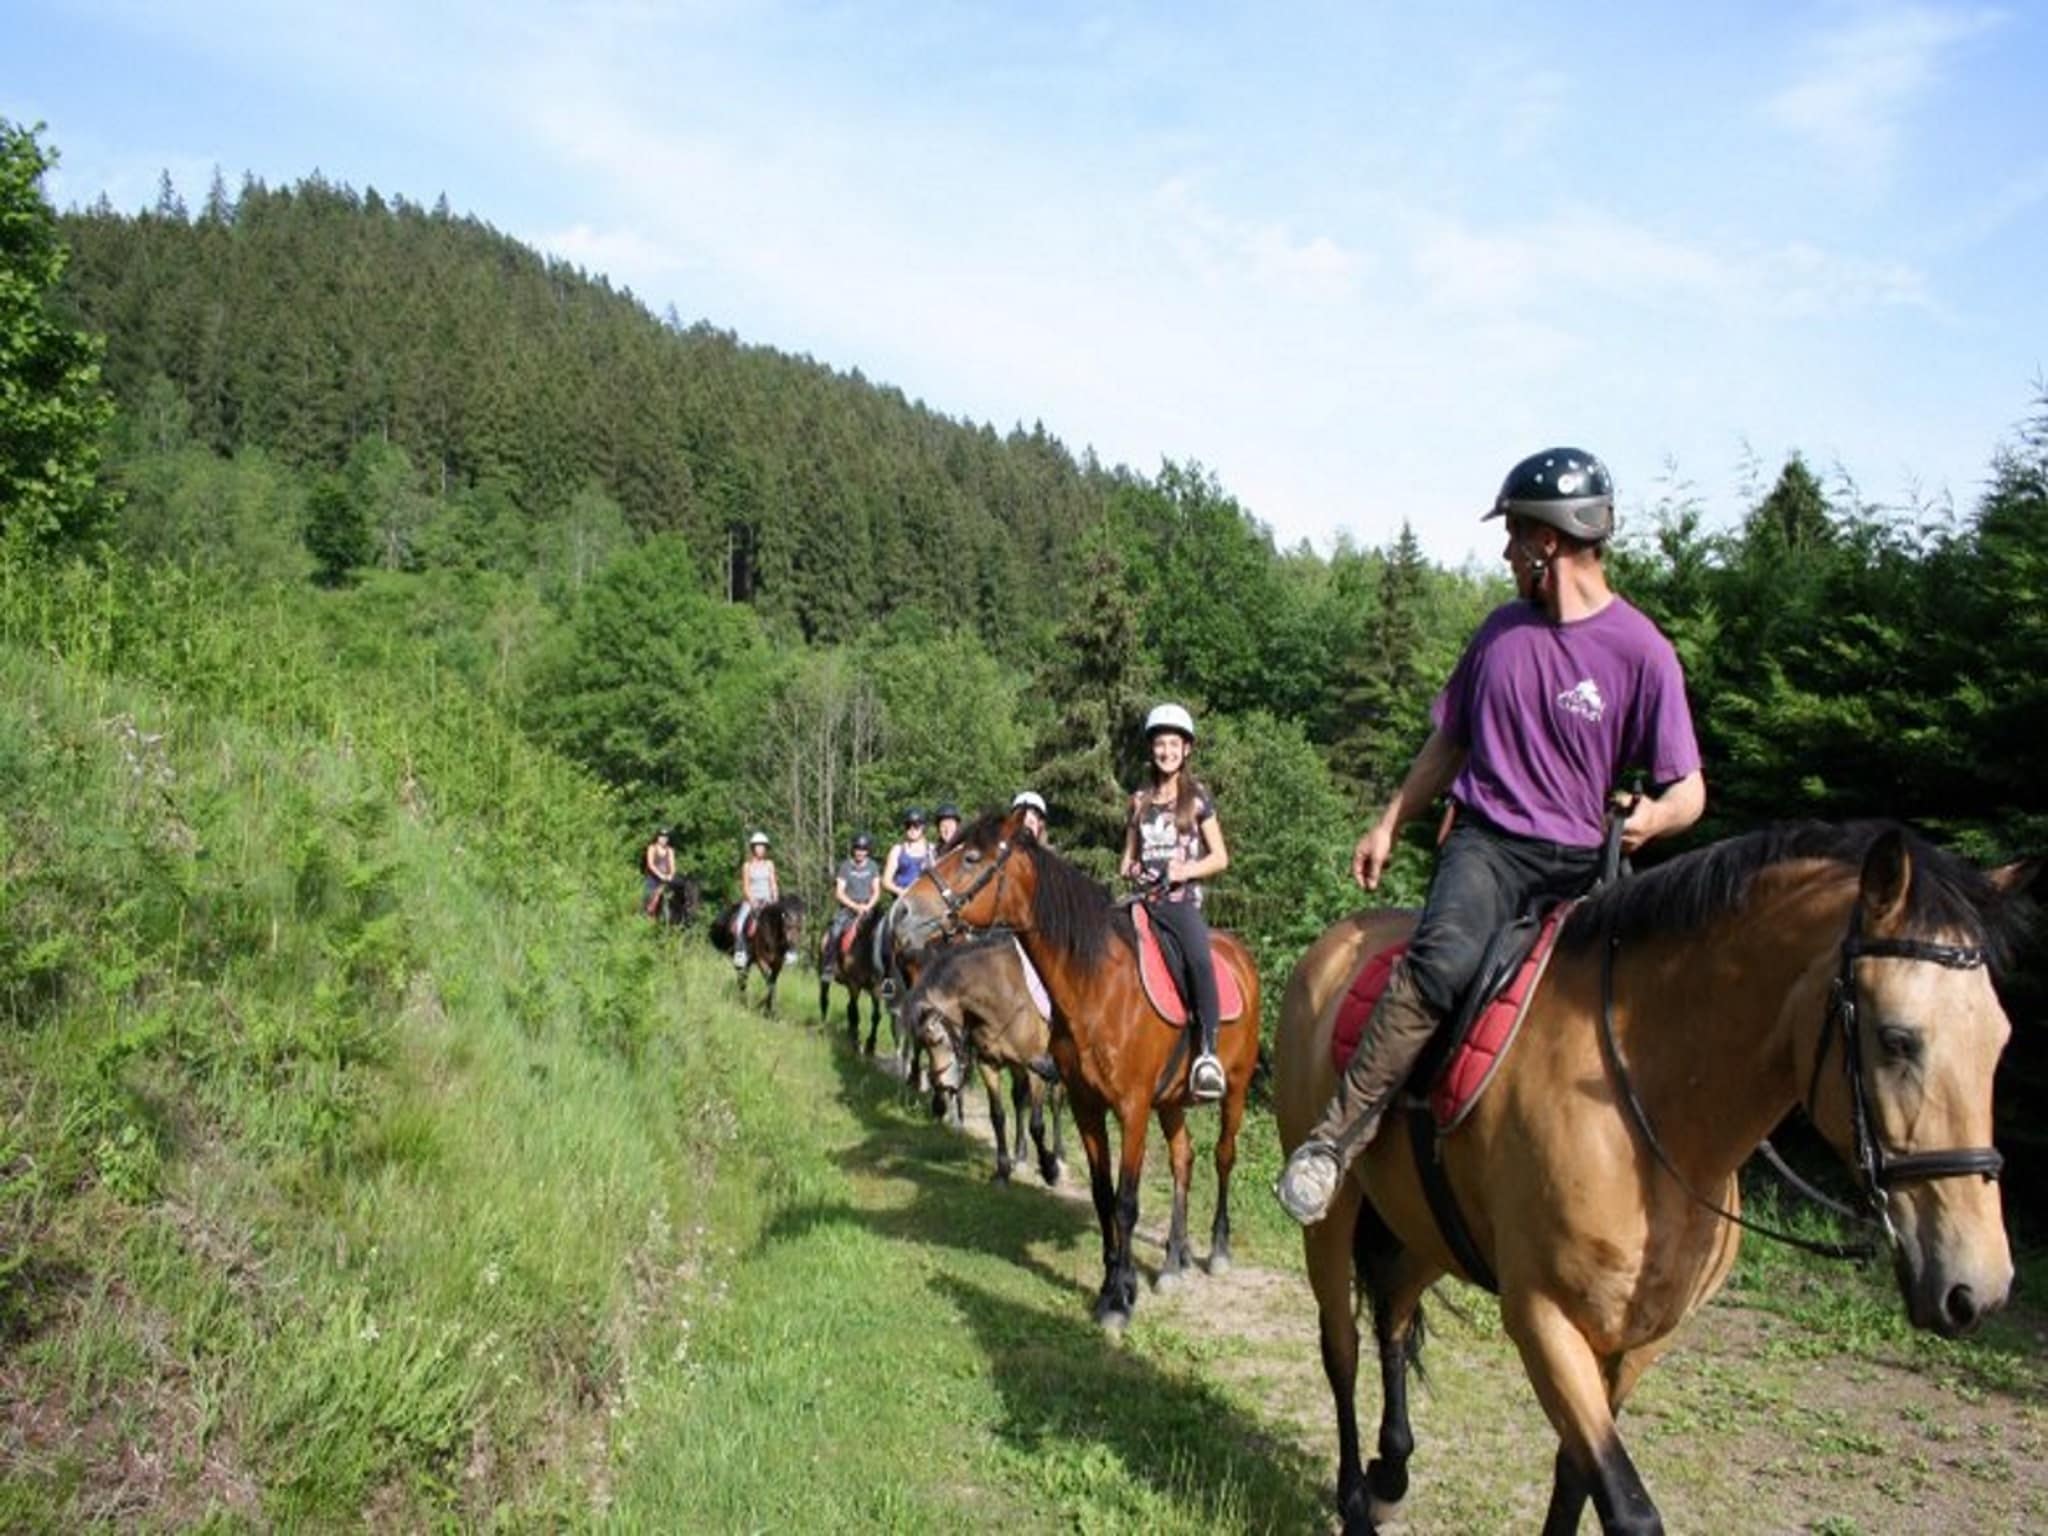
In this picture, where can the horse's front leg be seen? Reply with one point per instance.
(824, 998)
(1326, 1247)
(1574, 1393)
(992, 1086)
(1173, 1120)
(1048, 1159)
(1020, 1106)
(1226, 1163)
(1090, 1119)
(1133, 1117)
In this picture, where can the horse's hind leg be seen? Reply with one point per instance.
(1574, 1391)
(824, 1000)
(1174, 1121)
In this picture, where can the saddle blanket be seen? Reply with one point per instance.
(1161, 989)
(1034, 983)
(846, 940)
(1473, 1063)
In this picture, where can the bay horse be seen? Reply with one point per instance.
(1115, 1054)
(778, 929)
(1684, 1013)
(854, 969)
(973, 998)
(679, 899)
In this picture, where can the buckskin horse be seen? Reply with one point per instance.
(854, 969)
(1685, 1011)
(975, 997)
(775, 931)
(1115, 1052)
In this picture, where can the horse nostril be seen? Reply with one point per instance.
(1959, 1306)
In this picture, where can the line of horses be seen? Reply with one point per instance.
(1844, 970)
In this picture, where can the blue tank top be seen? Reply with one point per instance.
(910, 865)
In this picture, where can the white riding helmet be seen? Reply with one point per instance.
(1169, 717)
(1031, 798)
(757, 839)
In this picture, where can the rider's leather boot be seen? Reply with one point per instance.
(1394, 1036)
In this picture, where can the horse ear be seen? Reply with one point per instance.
(2011, 879)
(1887, 876)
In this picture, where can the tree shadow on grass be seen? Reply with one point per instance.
(1063, 1385)
(1178, 1437)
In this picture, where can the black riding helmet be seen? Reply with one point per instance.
(914, 817)
(862, 840)
(948, 809)
(1567, 488)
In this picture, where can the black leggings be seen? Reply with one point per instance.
(1184, 920)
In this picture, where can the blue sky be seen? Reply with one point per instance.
(1355, 259)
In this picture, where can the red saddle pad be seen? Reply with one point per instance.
(1466, 1075)
(1160, 989)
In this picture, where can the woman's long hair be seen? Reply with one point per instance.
(1187, 799)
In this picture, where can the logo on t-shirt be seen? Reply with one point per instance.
(1583, 699)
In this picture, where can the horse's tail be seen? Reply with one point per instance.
(1374, 1251)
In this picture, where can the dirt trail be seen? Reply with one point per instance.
(1740, 1428)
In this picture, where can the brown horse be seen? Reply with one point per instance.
(854, 969)
(777, 931)
(973, 997)
(1684, 1013)
(1115, 1054)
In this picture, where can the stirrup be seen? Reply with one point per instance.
(1207, 1081)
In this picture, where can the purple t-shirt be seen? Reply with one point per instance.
(1552, 715)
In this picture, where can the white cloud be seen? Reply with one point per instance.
(1864, 78)
(1574, 256)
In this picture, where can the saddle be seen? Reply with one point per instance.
(1465, 1052)
(1160, 972)
(846, 938)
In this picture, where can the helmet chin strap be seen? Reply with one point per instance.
(1539, 571)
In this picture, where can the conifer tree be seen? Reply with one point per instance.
(1098, 683)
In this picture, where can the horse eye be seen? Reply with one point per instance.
(972, 856)
(1900, 1045)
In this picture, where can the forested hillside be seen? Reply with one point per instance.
(741, 588)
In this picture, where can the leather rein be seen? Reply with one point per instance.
(1878, 1168)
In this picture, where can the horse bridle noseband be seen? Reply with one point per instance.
(1878, 1169)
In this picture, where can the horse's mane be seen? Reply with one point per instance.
(1947, 894)
(1070, 911)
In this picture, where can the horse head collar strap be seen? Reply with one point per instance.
(956, 900)
(1881, 1168)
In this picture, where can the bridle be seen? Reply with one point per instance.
(955, 901)
(1878, 1169)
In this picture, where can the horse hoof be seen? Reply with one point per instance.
(1386, 1485)
(1000, 1176)
(1049, 1170)
(1219, 1263)
(1167, 1281)
(1113, 1322)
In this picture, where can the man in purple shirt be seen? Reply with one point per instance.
(1558, 695)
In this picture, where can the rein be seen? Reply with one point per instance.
(1878, 1168)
